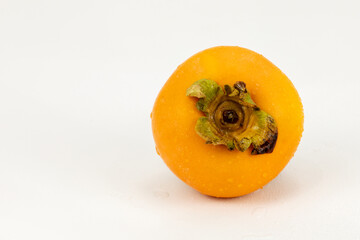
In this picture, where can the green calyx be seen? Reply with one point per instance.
(232, 118)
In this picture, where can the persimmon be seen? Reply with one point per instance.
(227, 121)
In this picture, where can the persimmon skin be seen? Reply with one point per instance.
(214, 170)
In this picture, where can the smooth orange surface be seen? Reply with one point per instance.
(214, 170)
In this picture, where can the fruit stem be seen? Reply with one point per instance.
(232, 118)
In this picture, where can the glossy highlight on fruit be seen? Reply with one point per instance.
(213, 169)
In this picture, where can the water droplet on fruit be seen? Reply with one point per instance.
(157, 151)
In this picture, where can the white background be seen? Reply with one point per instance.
(77, 83)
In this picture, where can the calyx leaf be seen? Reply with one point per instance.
(232, 117)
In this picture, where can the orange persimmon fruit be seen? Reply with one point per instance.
(213, 169)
